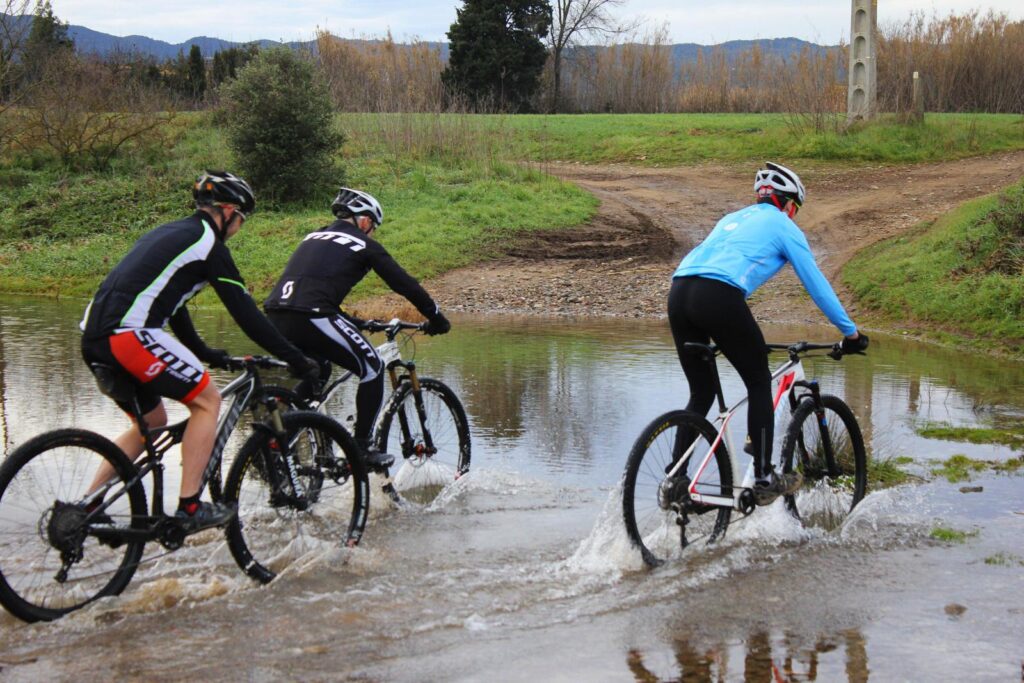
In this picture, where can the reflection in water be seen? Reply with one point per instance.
(793, 659)
(557, 396)
(3, 390)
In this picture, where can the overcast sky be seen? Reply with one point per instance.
(688, 21)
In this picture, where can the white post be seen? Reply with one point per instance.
(862, 95)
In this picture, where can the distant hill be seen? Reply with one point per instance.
(89, 41)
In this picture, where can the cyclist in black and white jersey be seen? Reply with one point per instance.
(305, 303)
(146, 291)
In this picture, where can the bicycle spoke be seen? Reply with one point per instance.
(49, 561)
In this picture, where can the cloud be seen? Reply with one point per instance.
(707, 21)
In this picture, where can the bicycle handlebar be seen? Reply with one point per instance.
(392, 327)
(835, 349)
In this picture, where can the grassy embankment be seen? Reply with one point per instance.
(956, 280)
(444, 208)
(454, 188)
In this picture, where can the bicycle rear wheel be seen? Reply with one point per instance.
(825, 446)
(278, 522)
(432, 446)
(659, 514)
(50, 563)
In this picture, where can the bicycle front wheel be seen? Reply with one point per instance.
(288, 508)
(50, 561)
(660, 516)
(825, 445)
(428, 431)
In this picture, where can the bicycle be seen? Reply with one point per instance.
(423, 421)
(681, 467)
(61, 549)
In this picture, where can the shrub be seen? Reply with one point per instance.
(280, 125)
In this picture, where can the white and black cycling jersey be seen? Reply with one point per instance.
(164, 269)
(329, 262)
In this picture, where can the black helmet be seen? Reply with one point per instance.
(221, 187)
(351, 202)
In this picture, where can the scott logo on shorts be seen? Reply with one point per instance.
(155, 369)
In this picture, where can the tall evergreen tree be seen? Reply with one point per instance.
(47, 37)
(496, 51)
(196, 73)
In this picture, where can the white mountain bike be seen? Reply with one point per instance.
(679, 485)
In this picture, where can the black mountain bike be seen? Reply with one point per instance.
(423, 423)
(60, 549)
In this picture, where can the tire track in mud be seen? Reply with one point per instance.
(620, 263)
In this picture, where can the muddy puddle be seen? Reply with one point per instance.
(522, 570)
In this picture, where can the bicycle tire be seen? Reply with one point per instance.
(401, 432)
(806, 450)
(650, 527)
(40, 482)
(273, 523)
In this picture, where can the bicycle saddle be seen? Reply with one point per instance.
(703, 351)
(113, 382)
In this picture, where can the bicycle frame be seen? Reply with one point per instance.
(392, 357)
(786, 379)
(161, 439)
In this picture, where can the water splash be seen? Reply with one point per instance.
(607, 549)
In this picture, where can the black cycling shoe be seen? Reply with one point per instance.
(785, 484)
(373, 458)
(376, 460)
(206, 515)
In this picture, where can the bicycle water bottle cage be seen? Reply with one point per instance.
(113, 382)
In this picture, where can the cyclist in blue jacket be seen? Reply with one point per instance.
(707, 302)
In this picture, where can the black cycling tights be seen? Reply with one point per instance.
(703, 310)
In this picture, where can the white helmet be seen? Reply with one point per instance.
(781, 180)
(357, 203)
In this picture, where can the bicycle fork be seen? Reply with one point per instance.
(281, 448)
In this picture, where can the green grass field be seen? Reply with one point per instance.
(958, 279)
(454, 188)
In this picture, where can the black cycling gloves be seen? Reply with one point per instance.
(217, 358)
(857, 345)
(437, 325)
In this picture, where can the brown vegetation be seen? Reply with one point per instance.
(968, 62)
(85, 112)
(380, 75)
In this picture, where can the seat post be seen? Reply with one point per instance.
(719, 393)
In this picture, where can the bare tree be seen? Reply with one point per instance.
(86, 112)
(15, 24)
(571, 21)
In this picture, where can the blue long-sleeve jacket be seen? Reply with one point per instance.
(749, 246)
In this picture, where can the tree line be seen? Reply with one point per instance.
(541, 56)
(505, 56)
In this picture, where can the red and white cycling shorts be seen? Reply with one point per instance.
(162, 365)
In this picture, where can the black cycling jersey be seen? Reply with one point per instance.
(167, 267)
(329, 262)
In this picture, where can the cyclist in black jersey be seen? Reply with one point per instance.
(305, 303)
(146, 291)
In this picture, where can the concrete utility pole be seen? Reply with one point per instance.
(862, 97)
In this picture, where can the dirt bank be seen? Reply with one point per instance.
(620, 263)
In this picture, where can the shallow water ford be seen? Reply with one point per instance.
(522, 571)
